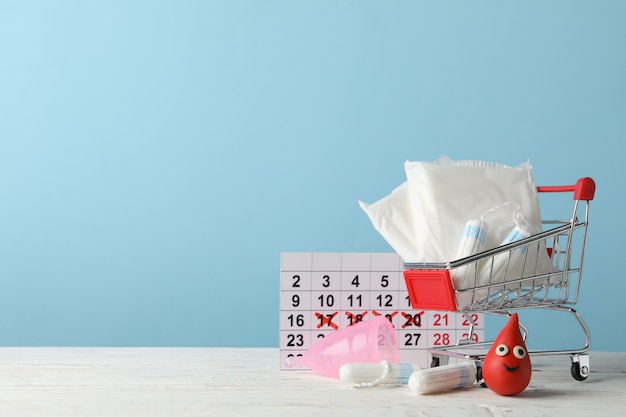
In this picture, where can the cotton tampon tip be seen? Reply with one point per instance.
(443, 378)
(517, 233)
(372, 374)
(473, 239)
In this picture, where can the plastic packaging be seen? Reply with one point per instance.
(443, 378)
(422, 218)
(444, 196)
(372, 374)
(392, 217)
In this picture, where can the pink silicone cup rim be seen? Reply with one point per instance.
(385, 327)
(379, 325)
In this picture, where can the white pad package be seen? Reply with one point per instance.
(433, 217)
(391, 216)
(446, 194)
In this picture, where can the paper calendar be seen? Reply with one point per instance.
(323, 292)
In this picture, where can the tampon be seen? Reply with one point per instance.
(472, 242)
(517, 233)
(443, 378)
(507, 265)
(473, 239)
(380, 373)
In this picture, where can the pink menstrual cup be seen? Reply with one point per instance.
(369, 341)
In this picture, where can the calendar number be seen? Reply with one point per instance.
(355, 281)
(386, 301)
(474, 318)
(295, 340)
(384, 281)
(296, 281)
(327, 300)
(354, 319)
(440, 320)
(293, 360)
(326, 320)
(411, 339)
(326, 281)
(474, 338)
(355, 301)
(441, 339)
(412, 320)
(297, 321)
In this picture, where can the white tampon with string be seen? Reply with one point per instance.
(473, 239)
(361, 375)
(472, 242)
(443, 378)
(508, 265)
(517, 233)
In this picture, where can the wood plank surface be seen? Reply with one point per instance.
(153, 382)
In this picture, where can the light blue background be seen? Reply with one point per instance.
(157, 156)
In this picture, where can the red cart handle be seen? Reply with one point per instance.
(584, 189)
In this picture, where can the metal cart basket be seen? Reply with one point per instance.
(542, 271)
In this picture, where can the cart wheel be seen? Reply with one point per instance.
(579, 374)
(479, 376)
(435, 362)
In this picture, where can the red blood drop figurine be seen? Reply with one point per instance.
(506, 368)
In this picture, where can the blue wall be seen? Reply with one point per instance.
(157, 156)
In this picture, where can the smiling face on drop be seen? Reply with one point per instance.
(506, 368)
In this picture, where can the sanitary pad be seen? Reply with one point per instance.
(445, 194)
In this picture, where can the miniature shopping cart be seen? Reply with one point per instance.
(542, 271)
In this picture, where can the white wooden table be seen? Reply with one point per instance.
(247, 382)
